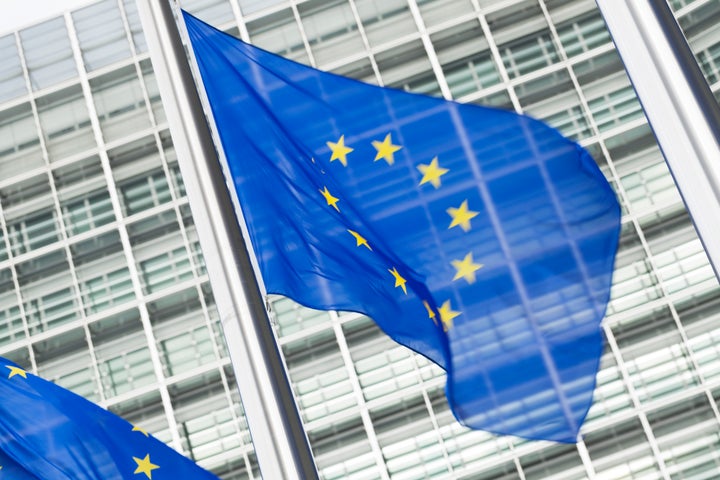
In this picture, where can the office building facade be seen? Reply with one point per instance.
(103, 288)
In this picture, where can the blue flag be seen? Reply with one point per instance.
(49, 433)
(480, 238)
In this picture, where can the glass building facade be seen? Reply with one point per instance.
(103, 288)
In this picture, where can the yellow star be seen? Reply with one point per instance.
(432, 173)
(399, 280)
(461, 216)
(332, 201)
(139, 429)
(447, 314)
(466, 268)
(385, 149)
(144, 466)
(339, 150)
(16, 371)
(359, 239)
(431, 314)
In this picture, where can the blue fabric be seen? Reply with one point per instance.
(498, 270)
(49, 433)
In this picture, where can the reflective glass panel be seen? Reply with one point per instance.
(48, 54)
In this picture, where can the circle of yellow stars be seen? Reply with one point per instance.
(144, 465)
(460, 216)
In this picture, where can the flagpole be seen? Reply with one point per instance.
(678, 103)
(280, 442)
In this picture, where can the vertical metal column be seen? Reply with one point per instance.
(679, 104)
(280, 442)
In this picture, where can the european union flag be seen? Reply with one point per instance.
(480, 238)
(49, 433)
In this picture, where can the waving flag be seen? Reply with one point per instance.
(49, 433)
(481, 239)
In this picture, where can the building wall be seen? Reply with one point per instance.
(103, 287)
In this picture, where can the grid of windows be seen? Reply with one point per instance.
(103, 288)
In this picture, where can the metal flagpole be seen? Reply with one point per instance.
(679, 105)
(278, 436)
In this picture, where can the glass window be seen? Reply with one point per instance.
(331, 29)
(83, 195)
(48, 54)
(153, 92)
(656, 359)
(678, 4)
(384, 368)
(385, 20)
(293, 318)
(12, 82)
(102, 272)
(470, 450)
(609, 93)
(184, 340)
(122, 354)
(579, 25)
(612, 102)
(680, 258)
(610, 396)
(207, 420)
(700, 315)
(21, 356)
(214, 318)
(523, 38)
(251, 6)
(709, 60)
(161, 256)
(622, 451)
(630, 144)
(342, 450)
(12, 326)
(193, 240)
(145, 411)
(319, 377)
(101, 34)
(65, 359)
(279, 33)
(408, 441)
(638, 159)
(20, 149)
(145, 192)
(634, 284)
(30, 214)
(87, 212)
(561, 460)
(171, 159)
(687, 436)
(435, 12)
(407, 67)
(32, 231)
(359, 70)
(136, 30)
(48, 292)
(119, 103)
(553, 99)
(499, 99)
(214, 12)
(165, 269)
(139, 175)
(465, 58)
(699, 27)
(632, 331)
(65, 123)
